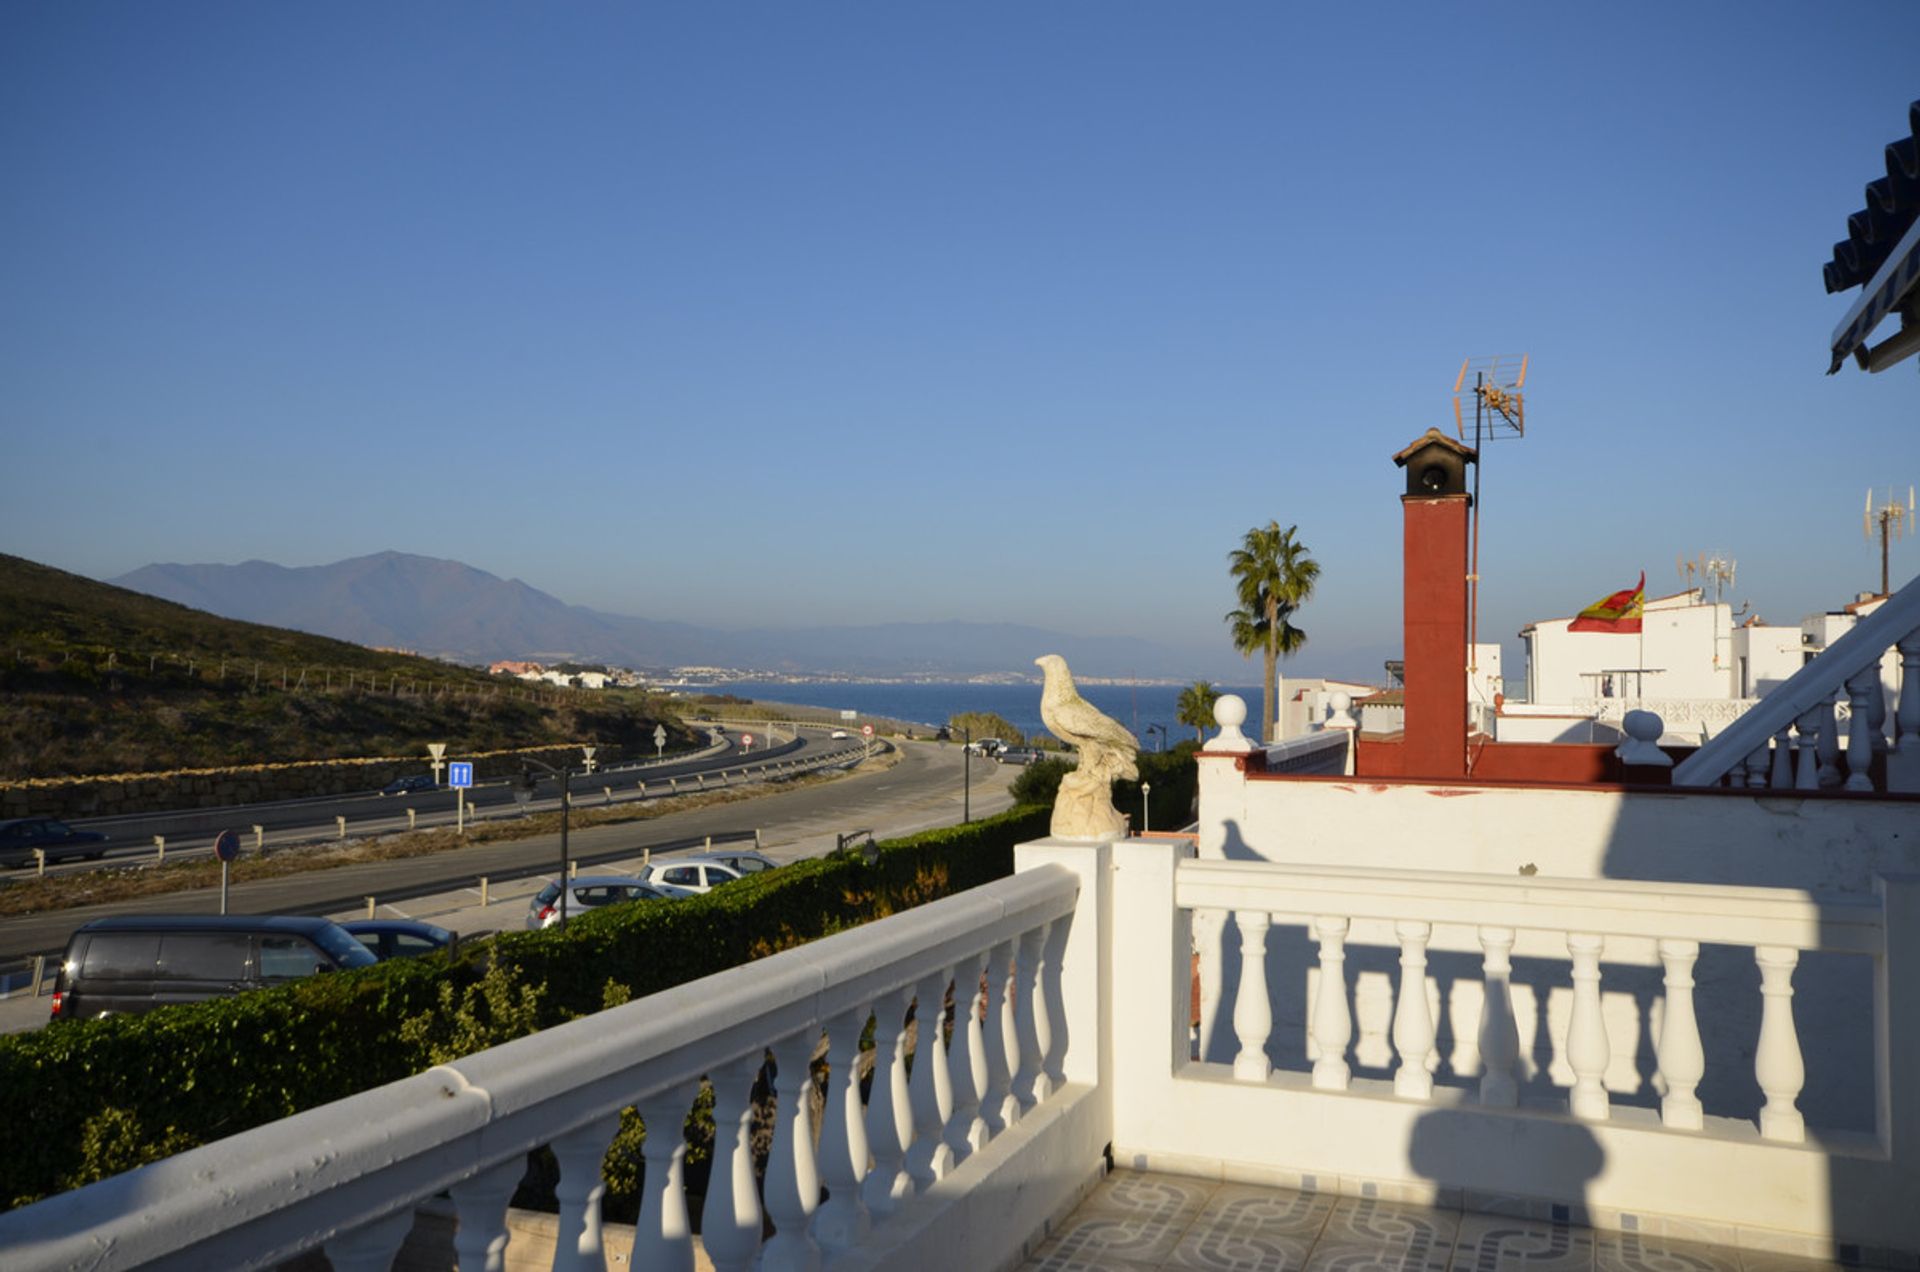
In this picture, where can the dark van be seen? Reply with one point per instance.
(137, 963)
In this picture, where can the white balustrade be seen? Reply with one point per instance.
(1682, 1061)
(1781, 778)
(1332, 1026)
(480, 1213)
(1862, 691)
(1053, 1056)
(1499, 1034)
(1756, 767)
(1412, 1018)
(1806, 727)
(1827, 744)
(1907, 714)
(663, 1233)
(931, 1087)
(372, 1247)
(1777, 1065)
(1587, 1049)
(889, 1109)
(842, 1222)
(999, 1038)
(730, 1223)
(966, 1131)
(792, 1182)
(1252, 1006)
(577, 1245)
(1031, 1027)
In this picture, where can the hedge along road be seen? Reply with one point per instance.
(923, 790)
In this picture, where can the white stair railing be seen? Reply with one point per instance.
(1806, 702)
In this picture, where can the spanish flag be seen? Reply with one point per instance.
(1618, 613)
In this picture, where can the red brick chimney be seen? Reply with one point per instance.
(1434, 607)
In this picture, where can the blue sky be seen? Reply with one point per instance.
(824, 313)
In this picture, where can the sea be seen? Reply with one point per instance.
(933, 704)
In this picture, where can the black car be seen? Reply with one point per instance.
(130, 964)
(18, 839)
(399, 938)
(404, 785)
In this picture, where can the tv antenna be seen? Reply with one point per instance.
(1893, 520)
(1711, 568)
(1499, 410)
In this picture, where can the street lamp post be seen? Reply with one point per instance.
(966, 768)
(566, 801)
(1146, 789)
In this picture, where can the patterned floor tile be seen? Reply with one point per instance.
(1767, 1261)
(1279, 1210)
(1495, 1243)
(1368, 1221)
(1226, 1248)
(1162, 1197)
(1637, 1252)
(1419, 1255)
(1103, 1239)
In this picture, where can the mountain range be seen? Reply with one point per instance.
(451, 610)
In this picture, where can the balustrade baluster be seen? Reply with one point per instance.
(1757, 768)
(1777, 1065)
(1781, 777)
(1252, 1006)
(1877, 709)
(792, 1184)
(1827, 744)
(1000, 1040)
(1030, 1082)
(1806, 727)
(967, 1061)
(1053, 1061)
(1860, 687)
(1412, 1018)
(730, 1223)
(1332, 1026)
(577, 1245)
(372, 1246)
(889, 1115)
(480, 1215)
(663, 1234)
(1682, 1061)
(931, 1087)
(841, 1222)
(1587, 1050)
(1499, 1034)
(1906, 715)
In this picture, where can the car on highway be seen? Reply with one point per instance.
(1018, 755)
(592, 892)
(399, 938)
(129, 964)
(838, 735)
(20, 836)
(407, 785)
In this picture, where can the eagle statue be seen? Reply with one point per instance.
(1084, 808)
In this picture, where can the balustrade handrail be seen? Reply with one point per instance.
(1810, 687)
(1703, 912)
(288, 1186)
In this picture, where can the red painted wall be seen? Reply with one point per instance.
(1434, 616)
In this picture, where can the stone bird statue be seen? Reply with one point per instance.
(1084, 808)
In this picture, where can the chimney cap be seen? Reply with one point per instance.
(1434, 437)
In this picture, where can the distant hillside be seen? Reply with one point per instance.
(99, 679)
(454, 610)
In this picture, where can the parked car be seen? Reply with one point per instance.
(406, 785)
(399, 938)
(1018, 755)
(591, 892)
(19, 837)
(130, 964)
(744, 860)
(838, 735)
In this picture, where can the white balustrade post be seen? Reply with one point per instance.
(841, 1222)
(1412, 1017)
(1827, 744)
(730, 1222)
(931, 1086)
(889, 1114)
(1860, 688)
(663, 1234)
(1777, 1065)
(966, 1133)
(1053, 1060)
(1781, 777)
(1877, 710)
(371, 1247)
(480, 1215)
(1332, 1019)
(1682, 1060)
(577, 1246)
(792, 1183)
(1030, 1082)
(1499, 1034)
(1757, 768)
(1252, 1006)
(1806, 773)
(999, 1039)
(1906, 716)
(1587, 1049)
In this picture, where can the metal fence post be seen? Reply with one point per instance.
(342, 820)
(160, 848)
(259, 838)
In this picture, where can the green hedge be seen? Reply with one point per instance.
(83, 1100)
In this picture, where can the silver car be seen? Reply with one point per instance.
(592, 892)
(705, 871)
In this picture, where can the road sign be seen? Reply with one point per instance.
(866, 730)
(460, 773)
(659, 735)
(746, 740)
(226, 846)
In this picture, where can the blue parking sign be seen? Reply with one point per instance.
(460, 773)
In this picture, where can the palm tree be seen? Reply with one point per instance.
(1196, 707)
(1274, 577)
